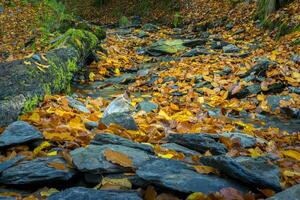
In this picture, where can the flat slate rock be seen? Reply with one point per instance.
(179, 148)
(292, 193)
(246, 141)
(176, 175)
(147, 106)
(91, 159)
(9, 163)
(107, 138)
(198, 142)
(124, 120)
(73, 103)
(81, 193)
(257, 172)
(19, 132)
(37, 171)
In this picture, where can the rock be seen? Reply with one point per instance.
(91, 125)
(142, 34)
(275, 88)
(229, 26)
(119, 112)
(198, 142)
(246, 141)
(91, 159)
(231, 49)
(9, 163)
(274, 101)
(296, 59)
(73, 103)
(217, 45)
(288, 194)
(37, 171)
(143, 72)
(294, 90)
(203, 26)
(107, 138)
(170, 79)
(252, 171)
(123, 79)
(239, 31)
(150, 27)
(1, 9)
(249, 90)
(259, 69)
(176, 175)
(19, 132)
(147, 106)
(179, 148)
(163, 47)
(196, 52)
(122, 119)
(195, 42)
(80, 193)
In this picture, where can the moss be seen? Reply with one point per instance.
(30, 104)
(79, 39)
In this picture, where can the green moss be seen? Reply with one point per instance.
(79, 39)
(30, 104)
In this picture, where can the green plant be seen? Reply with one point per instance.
(177, 20)
(124, 22)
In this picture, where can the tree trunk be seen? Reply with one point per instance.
(25, 82)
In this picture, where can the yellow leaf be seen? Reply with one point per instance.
(167, 156)
(41, 147)
(164, 115)
(117, 72)
(56, 165)
(204, 169)
(117, 158)
(255, 152)
(292, 154)
(115, 183)
(174, 106)
(52, 153)
(290, 173)
(27, 63)
(197, 196)
(48, 192)
(92, 76)
(76, 123)
(35, 117)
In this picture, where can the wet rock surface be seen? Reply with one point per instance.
(106, 138)
(37, 171)
(179, 177)
(198, 142)
(19, 132)
(251, 171)
(80, 193)
(291, 193)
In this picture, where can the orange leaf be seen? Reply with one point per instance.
(59, 166)
(117, 158)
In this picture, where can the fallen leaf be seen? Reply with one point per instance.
(118, 158)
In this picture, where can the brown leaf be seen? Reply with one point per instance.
(150, 193)
(231, 194)
(118, 158)
(59, 166)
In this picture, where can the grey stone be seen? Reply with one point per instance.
(252, 171)
(229, 26)
(36, 171)
(196, 52)
(165, 47)
(73, 103)
(6, 197)
(150, 27)
(143, 72)
(219, 44)
(91, 125)
(9, 163)
(179, 148)
(91, 159)
(194, 42)
(19, 132)
(147, 106)
(176, 175)
(292, 193)
(247, 141)
(296, 59)
(80, 193)
(107, 138)
(260, 68)
(124, 120)
(1, 9)
(231, 49)
(274, 101)
(198, 142)
(249, 90)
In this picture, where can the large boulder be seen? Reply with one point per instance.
(176, 175)
(252, 171)
(19, 132)
(80, 193)
(26, 81)
(163, 47)
(37, 171)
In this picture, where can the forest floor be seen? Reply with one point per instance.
(207, 110)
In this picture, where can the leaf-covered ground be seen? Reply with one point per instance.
(201, 94)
